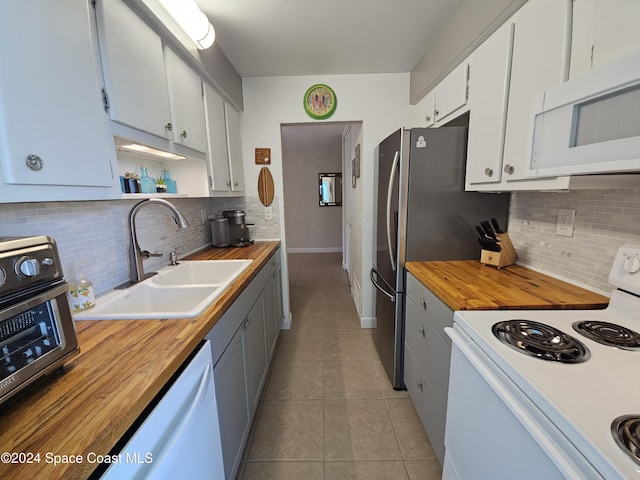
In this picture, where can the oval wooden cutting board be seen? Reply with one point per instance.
(265, 186)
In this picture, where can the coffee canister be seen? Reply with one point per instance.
(219, 230)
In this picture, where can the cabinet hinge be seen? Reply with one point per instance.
(105, 100)
(468, 80)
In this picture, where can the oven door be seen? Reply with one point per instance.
(37, 335)
(493, 430)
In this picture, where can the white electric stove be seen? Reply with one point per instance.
(519, 410)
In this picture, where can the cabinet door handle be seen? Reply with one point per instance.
(419, 384)
(508, 169)
(437, 113)
(183, 134)
(422, 331)
(210, 182)
(423, 304)
(428, 118)
(247, 322)
(235, 184)
(488, 172)
(228, 183)
(168, 126)
(34, 162)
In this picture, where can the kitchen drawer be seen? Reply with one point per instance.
(436, 311)
(431, 413)
(430, 351)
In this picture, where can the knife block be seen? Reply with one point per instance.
(505, 257)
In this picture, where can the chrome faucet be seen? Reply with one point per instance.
(136, 255)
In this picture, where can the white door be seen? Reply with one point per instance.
(347, 199)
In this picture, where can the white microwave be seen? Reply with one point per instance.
(590, 124)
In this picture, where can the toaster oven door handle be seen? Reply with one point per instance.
(33, 301)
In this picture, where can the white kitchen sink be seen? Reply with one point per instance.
(181, 291)
(201, 272)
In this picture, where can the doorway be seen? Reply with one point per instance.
(311, 153)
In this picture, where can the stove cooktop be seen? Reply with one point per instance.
(541, 341)
(584, 399)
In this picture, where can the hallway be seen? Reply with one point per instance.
(328, 411)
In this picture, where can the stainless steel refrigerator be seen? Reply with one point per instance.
(423, 213)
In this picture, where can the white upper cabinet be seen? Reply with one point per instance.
(226, 174)
(489, 90)
(603, 31)
(452, 94)
(53, 129)
(446, 101)
(133, 68)
(424, 111)
(234, 142)
(187, 104)
(218, 156)
(539, 62)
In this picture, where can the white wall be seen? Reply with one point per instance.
(319, 228)
(381, 102)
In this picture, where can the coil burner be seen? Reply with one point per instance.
(626, 433)
(609, 334)
(541, 341)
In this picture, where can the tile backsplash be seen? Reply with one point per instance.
(605, 219)
(93, 239)
(93, 236)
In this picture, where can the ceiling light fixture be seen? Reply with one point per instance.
(192, 20)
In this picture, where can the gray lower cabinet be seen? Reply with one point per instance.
(273, 305)
(255, 352)
(233, 415)
(426, 359)
(241, 344)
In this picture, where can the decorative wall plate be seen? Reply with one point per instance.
(320, 101)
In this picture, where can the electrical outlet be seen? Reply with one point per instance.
(203, 215)
(566, 218)
(268, 213)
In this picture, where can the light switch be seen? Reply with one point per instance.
(268, 213)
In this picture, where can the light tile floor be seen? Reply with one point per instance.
(328, 411)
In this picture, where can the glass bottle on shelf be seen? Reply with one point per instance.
(172, 187)
(147, 183)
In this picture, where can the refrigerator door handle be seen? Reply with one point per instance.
(373, 274)
(394, 167)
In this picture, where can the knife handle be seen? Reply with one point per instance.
(487, 229)
(496, 225)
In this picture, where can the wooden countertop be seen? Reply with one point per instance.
(122, 366)
(470, 285)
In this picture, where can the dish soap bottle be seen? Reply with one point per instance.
(172, 187)
(147, 183)
(81, 294)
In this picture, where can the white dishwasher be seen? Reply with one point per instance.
(180, 438)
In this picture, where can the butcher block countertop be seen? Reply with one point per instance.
(470, 285)
(78, 415)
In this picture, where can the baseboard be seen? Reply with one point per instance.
(315, 250)
(368, 322)
(286, 323)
